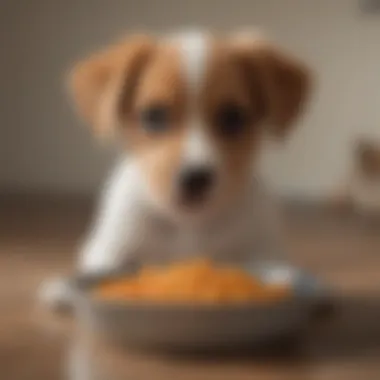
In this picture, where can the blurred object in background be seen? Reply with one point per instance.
(370, 6)
(368, 160)
(362, 191)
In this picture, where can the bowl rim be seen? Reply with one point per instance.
(82, 286)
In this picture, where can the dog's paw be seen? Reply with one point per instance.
(55, 294)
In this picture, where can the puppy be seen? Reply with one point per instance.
(190, 112)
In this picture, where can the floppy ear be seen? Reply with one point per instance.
(284, 81)
(102, 84)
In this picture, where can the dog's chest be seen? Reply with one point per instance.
(229, 240)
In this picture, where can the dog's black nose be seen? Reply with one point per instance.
(195, 182)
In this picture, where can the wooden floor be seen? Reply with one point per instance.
(38, 240)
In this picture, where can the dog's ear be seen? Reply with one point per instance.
(283, 80)
(102, 84)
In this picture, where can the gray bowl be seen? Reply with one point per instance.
(184, 326)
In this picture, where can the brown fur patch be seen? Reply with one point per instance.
(107, 75)
(285, 81)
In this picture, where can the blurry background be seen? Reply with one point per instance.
(44, 149)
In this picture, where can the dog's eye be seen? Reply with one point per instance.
(231, 119)
(155, 118)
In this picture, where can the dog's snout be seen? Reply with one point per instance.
(195, 182)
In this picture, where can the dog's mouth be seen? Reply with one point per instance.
(193, 203)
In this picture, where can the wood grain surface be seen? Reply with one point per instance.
(38, 239)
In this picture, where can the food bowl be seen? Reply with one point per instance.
(182, 326)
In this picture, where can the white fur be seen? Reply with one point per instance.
(119, 219)
(198, 148)
(194, 50)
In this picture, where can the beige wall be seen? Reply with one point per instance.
(45, 147)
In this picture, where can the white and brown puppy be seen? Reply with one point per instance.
(190, 110)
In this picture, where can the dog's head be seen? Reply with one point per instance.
(191, 109)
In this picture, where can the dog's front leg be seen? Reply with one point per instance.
(114, 239)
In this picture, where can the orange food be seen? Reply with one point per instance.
(194, 281)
